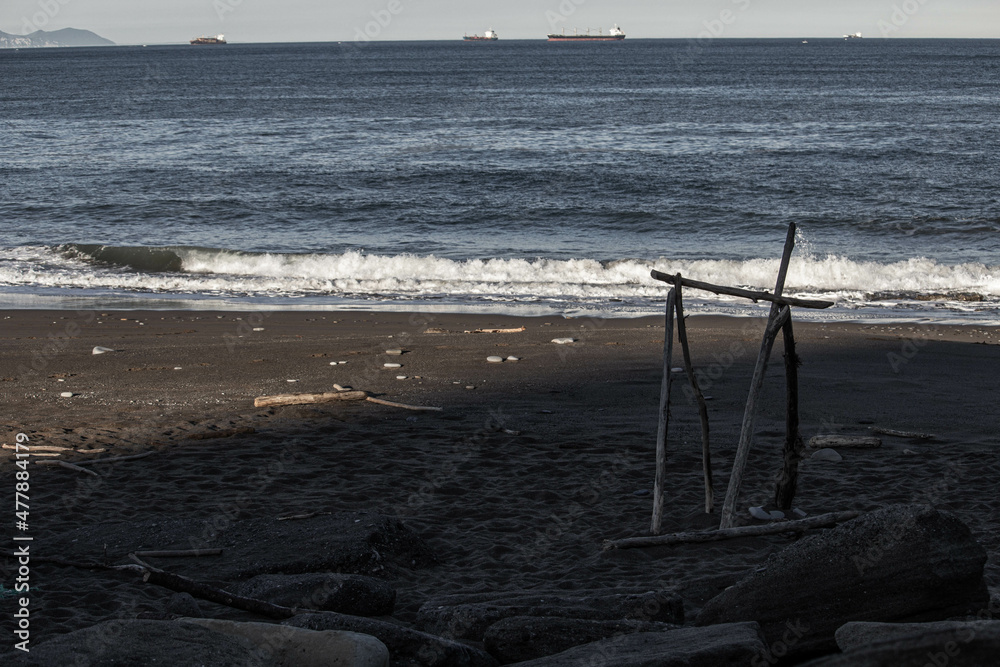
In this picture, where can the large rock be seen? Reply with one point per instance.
(528, 637)
(353, 594)
(728, 645)
(134, 643)
(859, 634)
(958, 645)
(901, 563)
(468, 616)
(288, 646)
(406, 646)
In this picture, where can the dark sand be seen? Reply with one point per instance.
(500, 511)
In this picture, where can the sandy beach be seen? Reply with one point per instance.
(516, 482)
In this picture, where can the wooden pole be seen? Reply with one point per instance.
(661, 430)
(745, 294)
(706, 452)
(775, 322)
(776, 528)
(784, 494)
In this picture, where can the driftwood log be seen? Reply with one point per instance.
(776, 528)
(307, 399)
(848, 441)
(664, 422)
(331, 397)
(744, 293)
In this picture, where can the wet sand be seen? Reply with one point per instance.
(518, 480)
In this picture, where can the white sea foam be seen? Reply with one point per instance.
(356, 275)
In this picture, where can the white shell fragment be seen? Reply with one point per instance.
(495, 360)
(513, 358)
(67, 394)
(395, 352)
(390, 365)
(563, 341)
(101, 350)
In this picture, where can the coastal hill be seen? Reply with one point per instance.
(64, 37)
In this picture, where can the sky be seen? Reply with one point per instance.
(176, 21)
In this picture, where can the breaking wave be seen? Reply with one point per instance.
(356, 275)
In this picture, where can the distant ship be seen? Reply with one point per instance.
(856, 35)
(488, 36)
(218, 39)
(614, 34)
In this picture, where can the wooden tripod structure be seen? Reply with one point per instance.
(779, 319)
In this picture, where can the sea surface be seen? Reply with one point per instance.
(518, 176)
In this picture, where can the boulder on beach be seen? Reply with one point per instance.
(406, 646)
(203, 642)
(353, 594)
(859, 634)
(468, 616)
(283, 645)
(725, 645)
(921, 644)
(900, 563)
(520, 638)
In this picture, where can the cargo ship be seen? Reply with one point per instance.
(488, 36)
(612, 35)
(218, 39)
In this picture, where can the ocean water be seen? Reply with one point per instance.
(516, 176)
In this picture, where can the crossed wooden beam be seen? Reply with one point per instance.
(779, 319)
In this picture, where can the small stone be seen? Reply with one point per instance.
(395, 352)
(760, 513)
(827, 454)
(777, 514)
(67, 394)
(799, 513)
(401, 377)
(641, 492)
(341, 362)
(513, 358)
(177, 368)
(333, 363)
(392, 365)
(101, 350)
(495, 360)
(470, 386)
(677, 369)
(909, 451)
(60, 380)
(258, 328)
(563, 341)
(291, 380)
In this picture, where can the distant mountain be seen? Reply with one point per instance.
(64, 37)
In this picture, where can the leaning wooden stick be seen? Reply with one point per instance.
(784, 493)
(776, 320)
(706, 453)
(661, 430)
(777, 528)
(69, 466)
